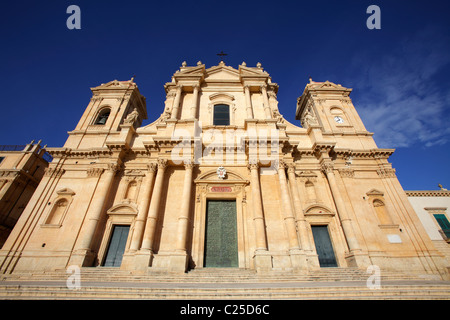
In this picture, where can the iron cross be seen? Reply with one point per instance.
(221, 55)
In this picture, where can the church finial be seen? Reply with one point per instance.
(221, 55)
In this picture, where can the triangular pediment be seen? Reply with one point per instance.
(247, 71)
(328, 84)
(65, 192)
(115, 84)
(375, 192)
(222, 72)
(199, 70)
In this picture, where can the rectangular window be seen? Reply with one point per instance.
(221, 115)
(443, 223)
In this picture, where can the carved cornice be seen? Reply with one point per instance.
(363, 154)
(428, 193)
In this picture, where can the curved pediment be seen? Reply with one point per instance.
(318, 209)
(212, 176)
(221, 96)
(375, 192)
(123, 208)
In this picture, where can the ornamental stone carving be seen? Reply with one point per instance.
(327, 167)
(94, 172)
(162, 164)
(386, 172)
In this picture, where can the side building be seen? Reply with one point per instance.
(432, 208)
(21, 169)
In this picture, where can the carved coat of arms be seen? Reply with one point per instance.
(221, 172)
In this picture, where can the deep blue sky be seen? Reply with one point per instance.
(399, 74)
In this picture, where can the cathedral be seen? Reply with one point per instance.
(220, 180)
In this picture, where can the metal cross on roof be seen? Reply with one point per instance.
(221, 55)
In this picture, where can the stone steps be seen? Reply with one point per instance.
(398, 292)
(212, 276)
(204, 284)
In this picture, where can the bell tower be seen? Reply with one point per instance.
(328, 106)
(112, 105)
(326, 110)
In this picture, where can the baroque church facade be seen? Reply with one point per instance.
(220, 179)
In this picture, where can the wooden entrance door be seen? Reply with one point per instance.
(221, 247)
(324, 247)
(116, 246)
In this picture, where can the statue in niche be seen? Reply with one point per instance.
(309, 119)
(132, 117)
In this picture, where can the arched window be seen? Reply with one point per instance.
(221, 115)
(103, 116)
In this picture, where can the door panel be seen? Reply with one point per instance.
(221, 248)
(116, 246)
(324, 247)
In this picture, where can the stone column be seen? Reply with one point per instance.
(263, 260)
(297, 259)
(82, 255)
(266, 102)
(143, 208)
(179, 261)
(144, 257)
(248, 101)
(152, 217)
(176, 103)
(301, 222)
(328, 169)
(194, 107)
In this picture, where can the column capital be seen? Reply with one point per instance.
(152, 167)
(253, 164)
(281, 164)
(327, 166)
(114, 167)
(162, 164)
(290, 167)
(189, 164)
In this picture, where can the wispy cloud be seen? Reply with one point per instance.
(401, 97)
